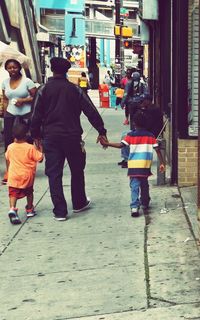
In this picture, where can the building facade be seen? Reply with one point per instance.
(18, 29)
(174, 78)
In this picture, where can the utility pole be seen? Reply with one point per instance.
(117, 42)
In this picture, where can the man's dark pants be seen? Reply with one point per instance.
(56, 151)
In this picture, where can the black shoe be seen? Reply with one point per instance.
(125, 164)
(134, 213)
(85, 207)
(121, 162)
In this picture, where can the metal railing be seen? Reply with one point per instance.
(93, 27)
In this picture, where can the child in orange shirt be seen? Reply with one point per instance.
(119, 92)
(22, 158)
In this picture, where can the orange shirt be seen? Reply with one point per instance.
(23, 158)
(119, 93)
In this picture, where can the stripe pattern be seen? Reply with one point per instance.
(141, 144)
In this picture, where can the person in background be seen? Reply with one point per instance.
(119, 92)
(142, 143)
(56, 119)
(127, 77)
(124, 84)
(83, 82)
(22, 158)
(109, 79)
(18, 92)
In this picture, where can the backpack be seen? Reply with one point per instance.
(135, 90)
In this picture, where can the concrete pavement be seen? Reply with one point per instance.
(101, 264)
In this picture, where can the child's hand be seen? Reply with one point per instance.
(104, 141)
(162, 167)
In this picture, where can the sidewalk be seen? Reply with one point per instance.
(101, 264)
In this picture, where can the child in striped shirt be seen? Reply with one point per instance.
(142, 143)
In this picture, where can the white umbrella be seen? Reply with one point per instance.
(7, 52)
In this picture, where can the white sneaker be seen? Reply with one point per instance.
(88, 203)
(60, 218)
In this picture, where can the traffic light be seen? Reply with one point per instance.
(126, 32)
(128, 44)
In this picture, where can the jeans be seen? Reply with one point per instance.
(139, 192)
(125, 152)
(56, 151)
(126, 149)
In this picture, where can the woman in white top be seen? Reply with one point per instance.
(18, 92)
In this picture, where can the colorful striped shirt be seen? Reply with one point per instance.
(141, 144)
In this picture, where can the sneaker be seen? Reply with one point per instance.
(121, 162)
(30, 212)
(13, 216)
(87, 205)
(126, 122)
(124, 164)
(60, 218)
(134, 213)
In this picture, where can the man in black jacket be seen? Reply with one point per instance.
(56, 119)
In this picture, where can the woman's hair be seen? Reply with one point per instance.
(83, 74)
(12, 61)
(20, 130)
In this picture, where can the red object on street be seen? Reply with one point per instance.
(104, 96)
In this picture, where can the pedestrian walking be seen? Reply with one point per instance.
(22, 158)
(133, 89)
(125, 84)
(142, 143)
(154, 122)
(83, 82)
(18, 92)
(57, 109)
(109, 79)
(119, 92)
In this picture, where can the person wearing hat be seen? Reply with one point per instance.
(56, 120)
(133, 89)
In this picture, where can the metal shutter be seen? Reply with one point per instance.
(193, 69)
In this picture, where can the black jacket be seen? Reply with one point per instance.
(57, 107)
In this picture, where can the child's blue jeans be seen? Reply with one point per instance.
(139, 192)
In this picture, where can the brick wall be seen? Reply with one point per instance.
(187, 162)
